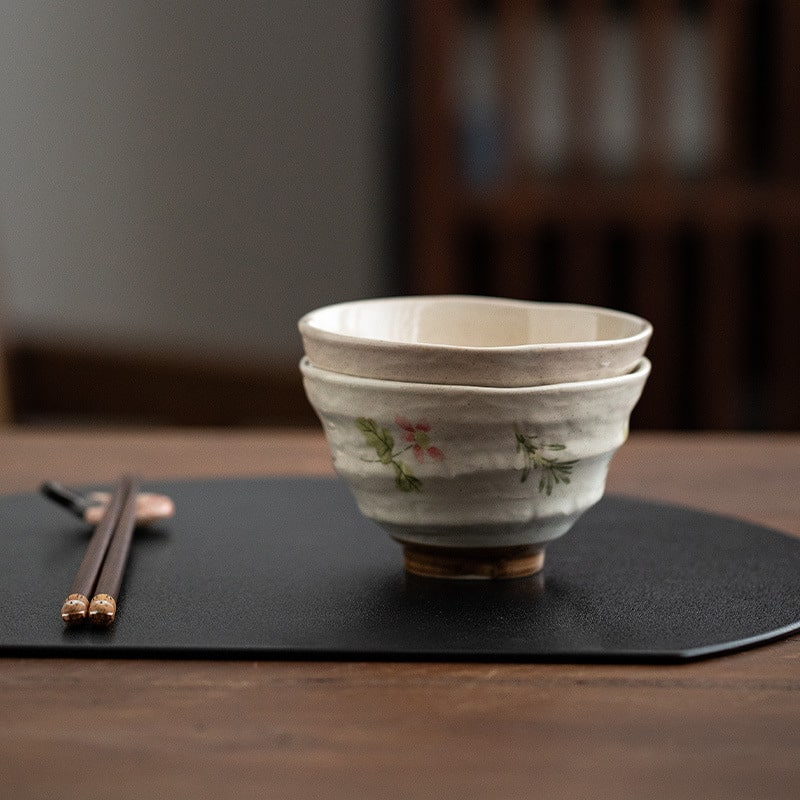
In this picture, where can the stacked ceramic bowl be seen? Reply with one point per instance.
(474, 430)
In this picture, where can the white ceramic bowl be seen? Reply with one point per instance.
(473, 481)
(477, 341)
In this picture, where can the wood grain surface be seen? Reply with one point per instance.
(722, 728)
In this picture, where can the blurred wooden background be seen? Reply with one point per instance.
(675, 195)
(643, 155)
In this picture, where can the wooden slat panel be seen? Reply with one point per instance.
(720, 382)
(516, 19)
(640, 202)
(782, 390)
(511, 269)
(6, 415)
(656, 296)
(584, 25)
(5, 392)
(547, 248)
(584, 277)
(787, 163)
(656, 18)
(511, 276)
(434, 265)
(727, 29)
(82, 382)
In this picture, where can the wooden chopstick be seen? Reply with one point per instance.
(75, 503)
(76, 606)
(103, 606)
(149, 507)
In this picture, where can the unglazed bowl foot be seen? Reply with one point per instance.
(483, 562)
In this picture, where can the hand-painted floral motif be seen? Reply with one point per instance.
(553, 470)
(417, 440)
(417, 435)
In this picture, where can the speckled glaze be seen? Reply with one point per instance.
(476, 341)
(469, 467)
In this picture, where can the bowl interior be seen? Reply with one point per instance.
(472, 322)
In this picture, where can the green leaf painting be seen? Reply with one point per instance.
(552, 471)
(382, 442)
(406, 481)
(376, 437)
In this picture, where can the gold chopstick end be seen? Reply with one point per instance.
(75, 608)
(102, 609)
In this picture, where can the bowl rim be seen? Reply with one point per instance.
(308, 328)
(640, 371)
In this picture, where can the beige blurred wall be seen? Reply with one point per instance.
(189, 177)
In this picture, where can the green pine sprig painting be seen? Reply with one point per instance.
(552, 471)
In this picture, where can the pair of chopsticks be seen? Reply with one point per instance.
(103, 567)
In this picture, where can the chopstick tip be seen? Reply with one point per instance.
(102, 609)
(75, 608)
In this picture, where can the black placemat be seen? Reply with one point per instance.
(288, 568)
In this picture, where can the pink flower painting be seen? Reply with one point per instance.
(417, 436)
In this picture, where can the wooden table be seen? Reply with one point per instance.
(723, 728)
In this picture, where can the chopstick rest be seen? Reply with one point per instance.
(149, 507)
(90, 508)
(103, 606)
(76, 606)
